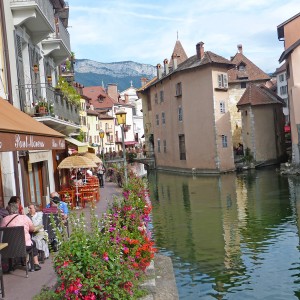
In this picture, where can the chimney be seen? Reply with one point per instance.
(126, 98)
(166, 66)
(144, 81)
(159, 74)
(240, 48)
(112, 91)
(200, 50)
(174, 58)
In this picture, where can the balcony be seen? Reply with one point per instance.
(50, 107)
(36, 15)
(108, 130)
(58, 44)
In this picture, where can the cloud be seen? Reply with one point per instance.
(119, 30)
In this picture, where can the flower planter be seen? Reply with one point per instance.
(42, 110)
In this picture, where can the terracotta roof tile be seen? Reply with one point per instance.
(259, 95)
(92, 112)
(94, 93)
(253, 72)
(191, 63)
(179, 53)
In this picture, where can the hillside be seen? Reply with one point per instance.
(90, 73)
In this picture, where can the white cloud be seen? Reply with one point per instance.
(119, 30)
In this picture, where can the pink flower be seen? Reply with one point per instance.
(105, 256)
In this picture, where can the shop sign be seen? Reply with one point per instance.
(15, 142)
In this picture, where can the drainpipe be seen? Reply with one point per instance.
(9, 88)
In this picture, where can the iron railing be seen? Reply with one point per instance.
(56, 105)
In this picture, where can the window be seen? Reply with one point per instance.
(222, 81)
(157, 119)
(182, 155)
(155, 98)
(224, 141)
(180, 116)
(243, 85)
(283, 90)
(158, 145)
(163, 118)
(281, 77)
(134, 111)
(222, 107)
(165, 146)
(287, 71)
(178, 89)
(161, 96)
(241, 67)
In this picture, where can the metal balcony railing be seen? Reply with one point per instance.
(62, 34)
(44, 5)
(42, 100)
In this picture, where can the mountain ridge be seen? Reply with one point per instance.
(124, 73)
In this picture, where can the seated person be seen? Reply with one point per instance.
(79, 180)
(55, 202)
(16, 199)
(40, 236)
(15, 219)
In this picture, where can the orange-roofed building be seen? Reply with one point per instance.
(244, 73)
(262, 123)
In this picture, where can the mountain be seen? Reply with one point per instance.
(91, 73)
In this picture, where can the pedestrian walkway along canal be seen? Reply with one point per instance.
(234, 236)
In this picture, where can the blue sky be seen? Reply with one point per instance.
(146, 31)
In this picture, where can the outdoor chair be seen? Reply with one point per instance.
(1, 271)
(15, 238)
(51, 231)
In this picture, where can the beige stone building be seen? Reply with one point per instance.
(244, 73)
(186, 117)
(263, 124)
(289, 32)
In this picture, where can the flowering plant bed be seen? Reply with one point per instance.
(107, 261)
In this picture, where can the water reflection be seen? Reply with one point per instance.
(229, 236)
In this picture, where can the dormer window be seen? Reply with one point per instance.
(241, 67)
(100, 99)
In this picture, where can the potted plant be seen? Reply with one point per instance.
(42, 107)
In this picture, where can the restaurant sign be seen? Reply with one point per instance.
(14, 142)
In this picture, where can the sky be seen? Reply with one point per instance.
(146, 31)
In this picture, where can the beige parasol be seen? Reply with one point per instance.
(93, 157)
(76, 161)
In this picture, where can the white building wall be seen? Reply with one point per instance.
(282, 91)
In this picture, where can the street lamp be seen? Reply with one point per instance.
(121, 120)
(101, 134)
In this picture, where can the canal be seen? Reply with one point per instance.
(234, 236)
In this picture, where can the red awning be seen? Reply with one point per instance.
(131, 143)
(287, 129)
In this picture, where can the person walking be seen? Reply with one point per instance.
(100, 174)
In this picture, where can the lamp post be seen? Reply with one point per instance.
(121, 120)
(101, 134)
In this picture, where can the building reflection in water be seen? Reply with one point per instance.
(220, 229)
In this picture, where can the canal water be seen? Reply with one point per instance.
(234, 236)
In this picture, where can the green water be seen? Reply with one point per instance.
(234, 236)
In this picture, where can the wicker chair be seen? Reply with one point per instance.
(15, 237)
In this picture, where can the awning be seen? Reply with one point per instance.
(81, 147)
(131, 143)
(18, 131)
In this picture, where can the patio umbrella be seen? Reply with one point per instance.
(93, 157)
(75, 162)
